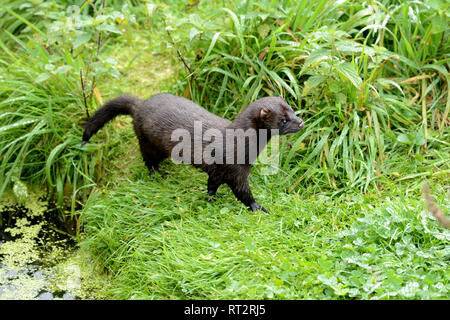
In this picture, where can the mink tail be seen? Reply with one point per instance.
(124, 104)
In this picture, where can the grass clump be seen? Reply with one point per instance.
(50, 71)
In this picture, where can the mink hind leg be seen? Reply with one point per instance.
(152, 157)
(213, 184)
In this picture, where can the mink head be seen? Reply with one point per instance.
(275, 113)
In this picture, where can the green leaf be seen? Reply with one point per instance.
(348, 46)
(19, 123)
(211, 46)
(436, 67)
(194, 31)
(50, 160)
(316, 56)
(311, 83)
(388, 82)
(20, 191)
(439, 24)
(263, 30)
(403, 138)
(42, 77)
(348, 71)
(109, 28)
(82, 39)
(436, 4)
(238, 28)
(420, 139)
(63, 69)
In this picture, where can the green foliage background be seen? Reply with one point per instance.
(370, 79)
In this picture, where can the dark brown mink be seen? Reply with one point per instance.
(156, 118)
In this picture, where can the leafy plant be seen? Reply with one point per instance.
(338, 63)
(52, 72)
(384, 255)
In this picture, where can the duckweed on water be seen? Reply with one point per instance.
(33, 265)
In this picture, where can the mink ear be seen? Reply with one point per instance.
(264, 113)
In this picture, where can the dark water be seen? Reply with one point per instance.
(29, 282)
(35, 260)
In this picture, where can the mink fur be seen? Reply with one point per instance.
(156, 118)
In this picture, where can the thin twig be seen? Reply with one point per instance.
(99, 44)
(84, 92)
(179, 53)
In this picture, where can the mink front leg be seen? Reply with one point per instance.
(241, 190)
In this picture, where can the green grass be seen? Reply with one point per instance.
(162, 240)
(346, 216)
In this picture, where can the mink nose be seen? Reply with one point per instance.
(301, 124)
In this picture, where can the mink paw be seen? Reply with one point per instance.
(154, 173)
(256, 206)
(212, 196)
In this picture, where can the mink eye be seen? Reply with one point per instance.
(283, 121)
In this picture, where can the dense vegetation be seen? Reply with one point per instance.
(370, 79)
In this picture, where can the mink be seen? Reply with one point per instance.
(156, 119)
